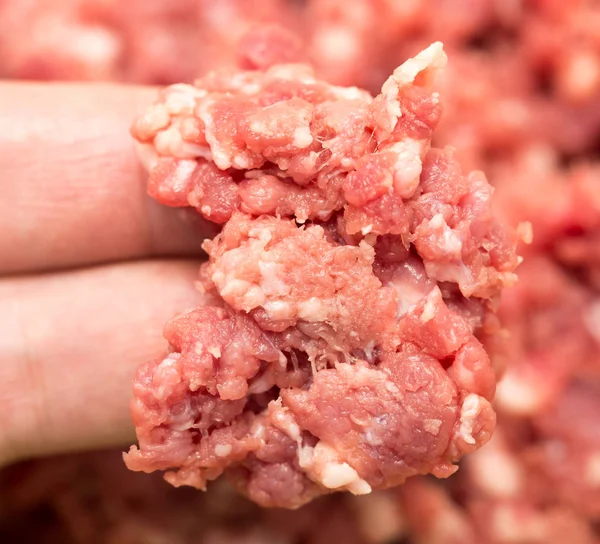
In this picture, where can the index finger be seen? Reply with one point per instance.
(72, 189)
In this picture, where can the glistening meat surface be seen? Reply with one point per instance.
(356, 276)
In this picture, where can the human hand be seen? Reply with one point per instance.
(90, 266)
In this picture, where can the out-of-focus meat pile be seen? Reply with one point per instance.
(521, 100)
(140, 41)
(94, 499)
(356, 272)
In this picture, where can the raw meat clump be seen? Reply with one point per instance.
(355, 281)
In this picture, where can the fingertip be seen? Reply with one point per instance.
(74, 190)
(71, 344)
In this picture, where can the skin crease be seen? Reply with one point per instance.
(90, 266)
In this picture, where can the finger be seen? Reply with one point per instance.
(69, 346)
(72, 189)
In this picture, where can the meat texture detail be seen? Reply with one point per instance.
(356, 280)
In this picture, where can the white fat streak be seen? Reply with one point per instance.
(437, 221)
(372, 438)
(178, 179)
(157, 117)
(202, 151)
(369, 347)
(260, 127)
(223, 450)
(214, 351)
(302, 137)
(272, 284)
(220, 156)
(285, 421)
(452, 243)
(292, 72)
(261, 384)
(164, 373)
(258, 429)
(324, 466)
(181, 98)
(261, 233)
(242, 161)
(471, 408)
(321, 463)
(456, 272)
(168, 362)
(283, 360)
(429, 307)
(352, 93)
(245, 82)
(391, 387)
(336, 475)
(432, 58)
(408, 296)
(312, 310)
(323, 215)
(253, 298)
(432, 426)
(169, 142)
(232, 287)
(279, 309)
(407, 170)
(247, 295)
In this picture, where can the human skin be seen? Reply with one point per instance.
(90, 266)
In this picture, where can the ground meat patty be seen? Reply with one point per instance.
(356, 268)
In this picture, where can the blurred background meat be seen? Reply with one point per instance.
(522, 101)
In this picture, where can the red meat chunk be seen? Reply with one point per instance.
(357, 270)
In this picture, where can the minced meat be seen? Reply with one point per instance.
(357, 271)
(521, 100)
